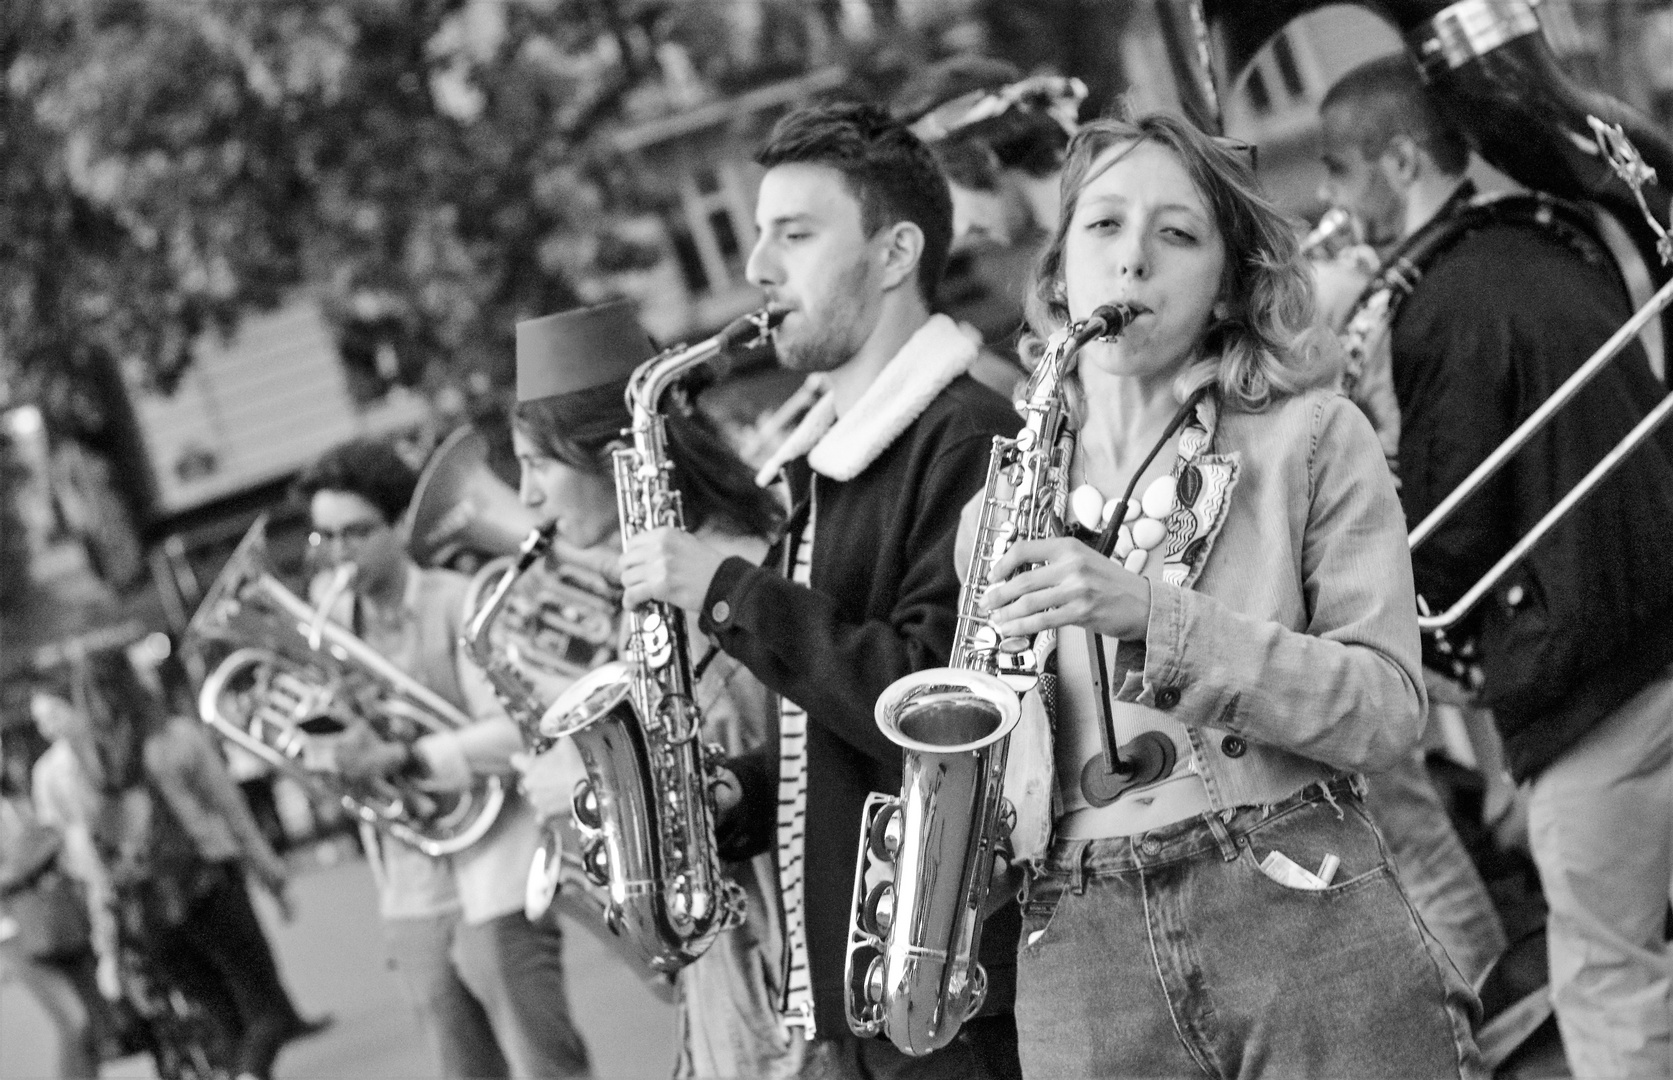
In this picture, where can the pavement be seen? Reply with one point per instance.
(332, 960)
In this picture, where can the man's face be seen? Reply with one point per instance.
(814, 257)
(349, 529)
(1359, 184)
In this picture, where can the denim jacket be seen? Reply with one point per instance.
(1283, 633)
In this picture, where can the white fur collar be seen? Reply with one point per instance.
(842, 447)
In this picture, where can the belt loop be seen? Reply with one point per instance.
(1222, 837)
(1077, 867)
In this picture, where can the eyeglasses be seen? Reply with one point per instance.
(353, 533)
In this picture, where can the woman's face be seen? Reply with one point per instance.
(582, 503)
(1142, 234)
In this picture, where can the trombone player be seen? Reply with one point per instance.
(1576, 646)
(487, 984)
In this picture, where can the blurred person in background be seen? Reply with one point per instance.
(487, 984)
(1574, 649)
(44, 941)
(999, 138)
(572, 371)
(164, 839)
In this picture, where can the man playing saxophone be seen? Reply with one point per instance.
(855, 222)
(487, 984)
(572, 371)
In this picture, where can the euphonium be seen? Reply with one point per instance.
(646, 810)
(299, 679)
(927, 857)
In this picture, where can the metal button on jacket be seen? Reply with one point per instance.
(721, 611)
(1151, 847)
(1233, 746)
(1167, 697)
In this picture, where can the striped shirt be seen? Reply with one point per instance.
(792, 825)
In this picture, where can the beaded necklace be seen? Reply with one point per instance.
(1144, 524)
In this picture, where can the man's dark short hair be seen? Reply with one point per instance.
(889, 170)
(1389, 99)
(371, 470)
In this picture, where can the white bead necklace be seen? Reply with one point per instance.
(1144, 525)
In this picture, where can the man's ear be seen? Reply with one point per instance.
(903, 247)
(1402, 161)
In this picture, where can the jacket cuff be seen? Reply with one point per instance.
(1155, 667)
(721, 604)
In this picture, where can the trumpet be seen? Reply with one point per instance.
(927, 857)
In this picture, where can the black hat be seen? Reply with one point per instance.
(579, 350)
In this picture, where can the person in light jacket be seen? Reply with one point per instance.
(1206, 892)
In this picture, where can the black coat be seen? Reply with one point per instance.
(1489, 333)
(882, 606)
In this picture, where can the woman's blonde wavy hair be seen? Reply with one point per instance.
(1269, 345)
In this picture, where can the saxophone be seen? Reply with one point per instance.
(927, 857)
(501, 642)
(646, 810)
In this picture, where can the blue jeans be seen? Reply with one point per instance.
(515, 968)
(454, 1023)
(1443, 883)
(1172, 953)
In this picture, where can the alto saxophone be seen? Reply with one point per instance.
(578, 588)
(646, 810)
(927, 857)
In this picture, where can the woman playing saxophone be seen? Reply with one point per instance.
(1237, 596)
(573, 370)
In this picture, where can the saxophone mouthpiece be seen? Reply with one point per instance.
(753, 329)
(1107, 321)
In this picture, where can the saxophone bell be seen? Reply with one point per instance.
(953, 724)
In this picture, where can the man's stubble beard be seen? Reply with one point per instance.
(839, 332)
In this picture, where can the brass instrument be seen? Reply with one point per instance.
(542, 612)
(646, 809)
(927, 857)
(1493, 74)
(297, 679)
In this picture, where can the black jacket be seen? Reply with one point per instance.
(1490, 331)
(882, 605)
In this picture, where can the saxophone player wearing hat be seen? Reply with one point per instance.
(488, 985)
(572, 371)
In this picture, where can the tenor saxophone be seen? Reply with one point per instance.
(926, 857)
(646, 810)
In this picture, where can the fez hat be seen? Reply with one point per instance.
(581, 349)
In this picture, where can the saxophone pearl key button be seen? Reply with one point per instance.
(1158, 497)
(721, 611)
(1148, 533)
(1087, 505)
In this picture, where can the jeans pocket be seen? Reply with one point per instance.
(1313, 850)
(1039, 914)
